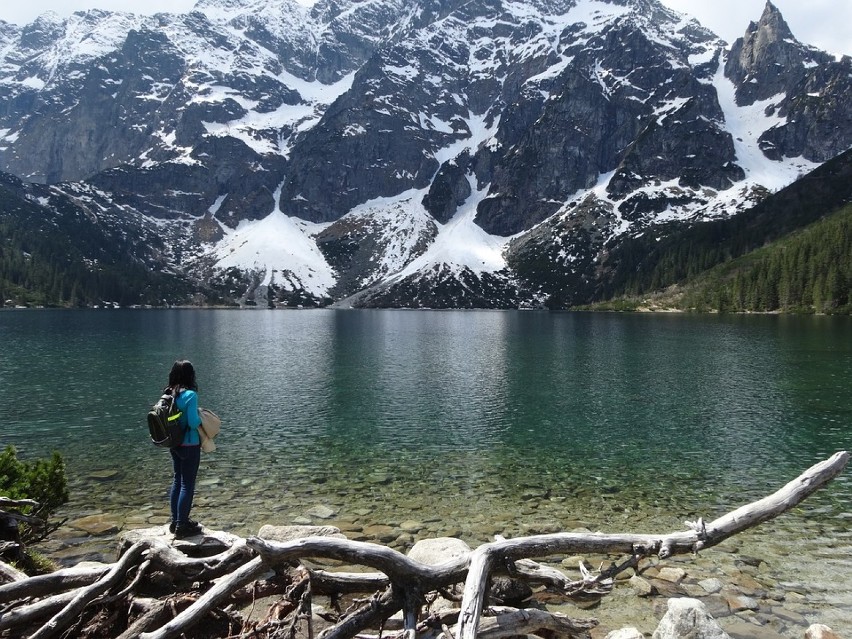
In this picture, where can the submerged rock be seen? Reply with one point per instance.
(102, 524)
(322, 512)
(105, 475)
(288, 533)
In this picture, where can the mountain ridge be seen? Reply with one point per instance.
(412, 153)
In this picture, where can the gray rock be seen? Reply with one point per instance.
(625, 633)
(688, 618)
(439, 550)
(322, 512)
(288, 533)
(820, 631)
(641, 586)
(739, 602)
(711, 585)
(738, 629)
(508, 592)
(789, 616)
(102, 524)
(672, 574)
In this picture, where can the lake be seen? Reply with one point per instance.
(468, 423)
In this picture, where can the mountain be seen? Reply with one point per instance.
(54, 252)
(790, 252)
(415, 153)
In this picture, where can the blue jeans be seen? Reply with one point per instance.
(185, 460)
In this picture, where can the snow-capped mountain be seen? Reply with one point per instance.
(474, 153)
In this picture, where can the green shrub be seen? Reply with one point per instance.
(42, 480)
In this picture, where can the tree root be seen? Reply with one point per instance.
(82, 602)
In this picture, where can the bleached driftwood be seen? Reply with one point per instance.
(8, 573)
(51, 583)
(221, 591)
(400, 583)
(84, 596)
(700, 536)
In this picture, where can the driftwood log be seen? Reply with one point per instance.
(205, 590)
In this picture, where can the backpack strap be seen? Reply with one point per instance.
(177, 391)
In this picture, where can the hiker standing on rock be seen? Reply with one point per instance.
(187, 456)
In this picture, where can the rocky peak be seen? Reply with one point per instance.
(771, 27)
(767, 60)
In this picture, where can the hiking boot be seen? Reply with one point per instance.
(173, 525)
(187, 529)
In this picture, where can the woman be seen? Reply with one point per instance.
(187, 456)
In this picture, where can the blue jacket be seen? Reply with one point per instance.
(187, 401)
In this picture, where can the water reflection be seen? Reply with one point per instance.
(378, 408)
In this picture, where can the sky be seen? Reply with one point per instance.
(826, 24)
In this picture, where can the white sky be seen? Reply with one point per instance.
(826, 24)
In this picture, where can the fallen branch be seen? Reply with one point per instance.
(54, 582)
(401, 583)
(700, 536)
(10, 573)
(221, 591)
(531, 621)
(86, 595)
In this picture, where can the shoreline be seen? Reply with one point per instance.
(739, 589)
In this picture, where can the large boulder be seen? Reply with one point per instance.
(439, 550)
(688, 618)
(820, 631)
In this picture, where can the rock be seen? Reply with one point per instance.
(102, 524)
(748, 584)
(104, 475)
(625, 633)
(411, 526)
(738, 602)
(509, 592)
(789, 616)
(748, 560)
(820, 631)
(382, 533)
(288, 533)
(573, 563)
(711, 585)
(208, 543)
(322, 512)
(667, 589)
(642, 587)
(688, 618)
(672, 574)
(716, 606)
(439, 550)
(694, 590)
(738, 629)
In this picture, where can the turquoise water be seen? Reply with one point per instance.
(472, 423)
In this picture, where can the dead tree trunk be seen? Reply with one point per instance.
(402, 583)
(700, 536)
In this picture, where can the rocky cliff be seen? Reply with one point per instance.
(415, 152)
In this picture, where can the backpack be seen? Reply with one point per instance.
(164, 420)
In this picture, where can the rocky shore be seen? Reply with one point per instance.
(719, 593)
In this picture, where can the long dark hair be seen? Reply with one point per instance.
(183, 375)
